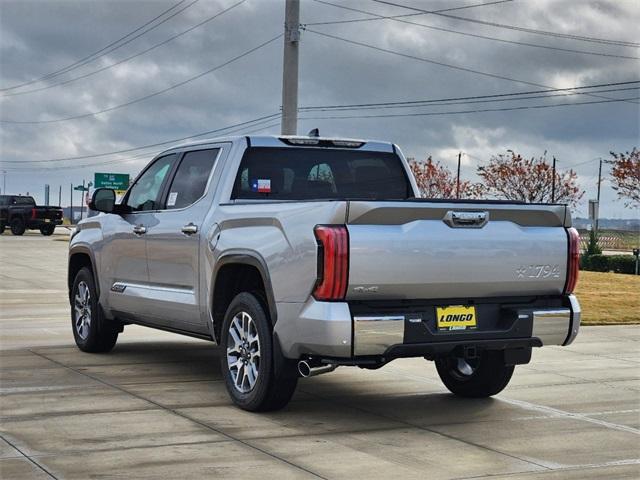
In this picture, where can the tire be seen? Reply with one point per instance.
(91, 331)
(47, 230)
(17, 226)
(247, 330)
(2, 227)
(479, 378)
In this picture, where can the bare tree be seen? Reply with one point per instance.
(625, 176)
(435, 180)
(512, 177)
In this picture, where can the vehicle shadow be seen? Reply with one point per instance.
(355, 396)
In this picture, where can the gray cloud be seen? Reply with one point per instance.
(42, 36)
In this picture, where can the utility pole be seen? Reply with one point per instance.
(71, 205)
(60, 195)
(458, 176)
(4, 181)
(553, 182)
(290, 67)
(599, 182)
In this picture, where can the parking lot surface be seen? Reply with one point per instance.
(156, 407)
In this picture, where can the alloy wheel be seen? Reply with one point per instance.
(82, 310)
(243, 352)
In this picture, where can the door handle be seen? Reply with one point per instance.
(139, 229)
(190, 229)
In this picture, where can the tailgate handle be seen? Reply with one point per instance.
(460, 219)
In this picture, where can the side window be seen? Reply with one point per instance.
(191, 178)
(144, 194)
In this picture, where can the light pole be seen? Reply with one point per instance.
(4, 181)
(599, 182)
(553, 181)
(458, 176)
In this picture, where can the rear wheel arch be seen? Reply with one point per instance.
(236, 273)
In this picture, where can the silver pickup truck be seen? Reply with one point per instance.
(301, 254)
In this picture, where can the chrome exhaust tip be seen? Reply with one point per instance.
(306, 370)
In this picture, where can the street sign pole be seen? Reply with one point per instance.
(82, 200)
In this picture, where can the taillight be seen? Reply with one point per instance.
(33, 213)
(573, 263)
(333, 262)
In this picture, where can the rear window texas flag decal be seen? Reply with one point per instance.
(261, 185)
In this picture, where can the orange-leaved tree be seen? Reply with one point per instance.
(625, 176)
(513, 177)
(435, 180)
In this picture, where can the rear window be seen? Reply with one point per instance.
(23, 201)
(313, 173)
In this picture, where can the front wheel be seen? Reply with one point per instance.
(47, 230)
(480, 377)
(2, 226)
(91, 331)
(248, 358)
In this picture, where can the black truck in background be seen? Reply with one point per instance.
(21, 213)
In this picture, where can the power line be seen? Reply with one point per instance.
(248, 123)
(435, 62)
(441, 104)
(151, 154)
(355, 20)
(131, 57)
(109, 48)
(517, 28)
(414, 103)
(583, 163)
(146, 97)
(425, 114)
(475, 35)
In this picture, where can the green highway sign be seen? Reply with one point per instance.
(115, 181)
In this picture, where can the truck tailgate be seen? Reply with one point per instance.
(449, 250)
(47, 213)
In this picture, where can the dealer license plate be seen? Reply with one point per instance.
(456, 317)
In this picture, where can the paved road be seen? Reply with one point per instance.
(156, 407)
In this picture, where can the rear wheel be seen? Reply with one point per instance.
(483, 376)
(17, 226)
(248, 358)
(47, 230)
(92, 332)
(2, 227)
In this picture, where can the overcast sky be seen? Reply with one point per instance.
(42, 37)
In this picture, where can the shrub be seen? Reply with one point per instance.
(598, 263)
(622, 263)
(604, 263)
(592, 246)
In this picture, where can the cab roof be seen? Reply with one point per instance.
(283, 141)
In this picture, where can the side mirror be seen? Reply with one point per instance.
(103, 200)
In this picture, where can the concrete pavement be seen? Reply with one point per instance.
(156, 407)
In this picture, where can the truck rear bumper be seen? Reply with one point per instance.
(378, 334)
(35, 224)
(333, 329)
